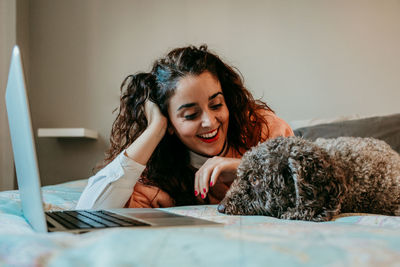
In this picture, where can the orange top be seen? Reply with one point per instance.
(146, 196)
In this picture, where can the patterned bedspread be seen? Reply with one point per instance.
(350, 240)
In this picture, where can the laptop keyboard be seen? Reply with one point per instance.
(86, 219)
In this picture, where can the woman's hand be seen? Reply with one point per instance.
(143, 147)
(154, 117)
(215, 169)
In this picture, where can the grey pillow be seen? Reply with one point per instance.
(386, 128)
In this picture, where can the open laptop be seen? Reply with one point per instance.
(76, 221)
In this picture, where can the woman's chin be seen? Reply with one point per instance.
(212, 152)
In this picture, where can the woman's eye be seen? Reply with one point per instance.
(217, 106)
(191, 116)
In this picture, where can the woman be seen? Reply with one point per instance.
(179, 135)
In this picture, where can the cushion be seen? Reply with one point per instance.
(386, 128)
(316, 121)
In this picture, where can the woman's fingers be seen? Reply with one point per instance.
(208, 175)
(215, 175)
(196, 184)
(154, 115)
(199, 185)
(202, 177)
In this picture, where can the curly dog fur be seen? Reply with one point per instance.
(292, 178)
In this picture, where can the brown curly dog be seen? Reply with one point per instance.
(292, 178)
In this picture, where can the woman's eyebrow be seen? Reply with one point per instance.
(214, 96)
(188, 105)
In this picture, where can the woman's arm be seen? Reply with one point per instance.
(143, 147)
(112, 186)
(147, 196)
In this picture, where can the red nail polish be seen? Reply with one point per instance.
(204, 190)
(196, 193)
(211, 183)
(202, 196)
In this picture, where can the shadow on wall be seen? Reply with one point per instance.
(71, 156)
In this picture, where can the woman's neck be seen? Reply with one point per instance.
(197, 160)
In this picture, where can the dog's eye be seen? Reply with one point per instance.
(253, 180)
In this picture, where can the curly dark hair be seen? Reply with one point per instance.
(169, 166)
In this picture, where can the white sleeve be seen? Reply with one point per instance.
(112, 186)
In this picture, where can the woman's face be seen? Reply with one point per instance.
(198, 114)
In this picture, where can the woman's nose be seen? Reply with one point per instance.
(208, 119)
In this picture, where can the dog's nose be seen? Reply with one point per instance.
(221, 208)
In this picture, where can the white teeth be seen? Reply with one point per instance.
(209, 135)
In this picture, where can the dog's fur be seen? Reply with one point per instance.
(292, 178)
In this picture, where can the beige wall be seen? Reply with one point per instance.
(22, 35)
(307, 59)
(7, 40)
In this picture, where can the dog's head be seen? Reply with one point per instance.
(287, 178)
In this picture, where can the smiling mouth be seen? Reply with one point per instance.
(210, 136)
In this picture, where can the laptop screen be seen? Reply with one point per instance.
(23, 145)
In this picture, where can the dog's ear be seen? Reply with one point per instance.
(296, 175)
(317, 189)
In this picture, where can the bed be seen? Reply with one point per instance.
(348, 240)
